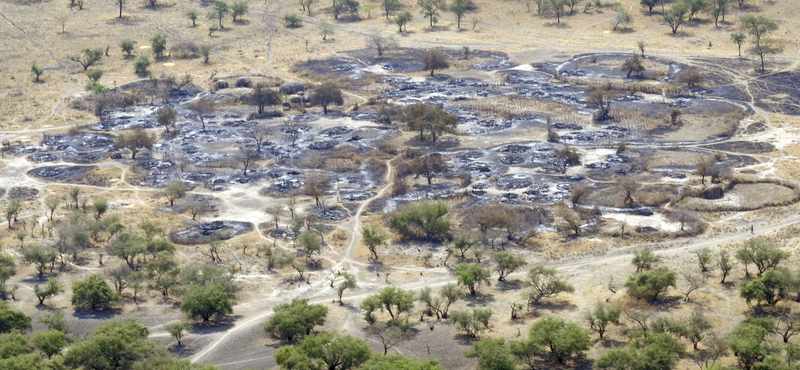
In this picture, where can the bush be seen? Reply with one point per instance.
(422, 219)
(159, 44)
(184, 49)
(292, 20)
(93, 292)
(127, 47)
(690, 76)
(141, 63)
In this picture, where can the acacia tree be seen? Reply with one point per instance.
(434, 59)
(601, 316)
(87, 57)
(459, 7)
(167, 116)
(389, 5)
(428, 166)
(381, 43)
(506, 263)
(738, 38)
(424, 117)
(402, 19)
(720, 7)
(762, 253)
(219, 9)
(135, 141)
(373, 236)
(52, 288)
(296, 319)
(202, 107)
(543, 283)
(326, 94)
(430, 9)
(675, 17)
(759, 26)
(471, 275)
(207, 301)
(650, 284)
(557, 7)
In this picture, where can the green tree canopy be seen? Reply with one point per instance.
(562, 340)
(394, 300)
(207, 301)
(762, 253)
(650, 284)
(295, 319)
(326, 94)
(543, 283)
(93, 292)
(655, 352)
(422, 219)
(472, 322)
(471, 275)
(49, 342)
(771, 287)
(332, 351)
(373, 236)
(492, 354)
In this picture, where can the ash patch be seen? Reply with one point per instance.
(44, 157)
(339, 66)
(80, 148)
(323, 145)
(333, 214)
(211, 231)
(67, 174)
(514, 149)
(23, 193)
(749, 147)
(512, 160)
(516, 181)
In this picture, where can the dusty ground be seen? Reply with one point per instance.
(260, 45)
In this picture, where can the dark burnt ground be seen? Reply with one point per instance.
(749, 147)
(608, 66)
(80, 148)
(80, 175)
(406, 60)
(22, 193)
(774, 92)
(778, 92)
(211, 231)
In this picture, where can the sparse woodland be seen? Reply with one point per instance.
(391, 184)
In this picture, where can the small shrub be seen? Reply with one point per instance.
(141, 63)
(292, 20)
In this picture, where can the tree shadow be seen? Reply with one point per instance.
(509, 285)
(479, 300)
(611, 343)
(561, 25)
(554, 305)
(180, 351)
(217, 326)
(96, 314)
(126, 20)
